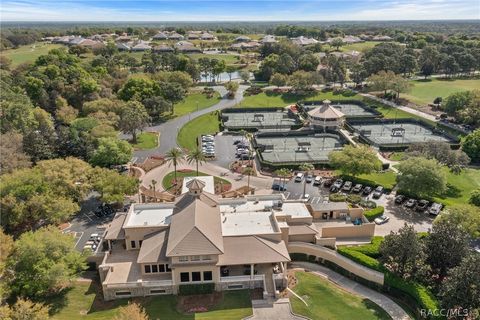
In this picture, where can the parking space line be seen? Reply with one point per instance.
(86, 215)
(79, 238)
(286, 194)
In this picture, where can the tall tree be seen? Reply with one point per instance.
(354, 161)
(422, 177)
(464, 215)
(133, 118)
(403, 253)
(110, 152)
(196, 155)
(248, 171)
(44, 262)
(24, 309)
(471, 145)
(283, 173)
(461, 287)
(113, 186)
(174, 156)
(446, 245)
(13, 157)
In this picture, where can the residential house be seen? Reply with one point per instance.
(163, 48)
(187, 47)
(123, 46)
(242, 39)
(141, 46)
(91, 44)
(160, 36)
(207, 36)
(175, 36)
(268, 39)
(382, 38)
(303, 41)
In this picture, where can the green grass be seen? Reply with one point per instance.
(146, 140)
(397, 156)
(361, 46)
(28, 53)
(78, 303)
(272, 99)
(327, 301)
(228, 58)
(460, 186)
(205, 124)
(191, 101)
(425, 91)
(167, 181)
(387, 179)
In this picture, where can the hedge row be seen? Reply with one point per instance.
(200, 288)
(374, 213)
(372, 249)
(423, 298)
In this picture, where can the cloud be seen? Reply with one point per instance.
(220, 10)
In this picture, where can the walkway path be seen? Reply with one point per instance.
(403, 108)
(263, 183)
(387, 304)
(268, 310)
(169, 130)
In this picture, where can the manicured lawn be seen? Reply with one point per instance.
(361, 46)
(167, 181)
(272, 99)
(327, 301)
(460, 186)
(192, 100)
(206, 124)
(80, 303)
(425, 91)
(228, 58)
(28, 53)
(397, 156)
(146, 140)
(386, 179)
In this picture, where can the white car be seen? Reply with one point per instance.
(299, 177)
(306, 196)
(382, 219)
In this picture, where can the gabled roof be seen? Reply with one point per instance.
(160, 35)
(154, 248)
(252, 249)
(195, 229)
(115, 228)
(325, 111)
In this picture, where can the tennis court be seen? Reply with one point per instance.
(397, 133)
(298, 149)
(258, 120)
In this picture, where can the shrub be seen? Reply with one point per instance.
(475, 197)
(361, 258)
(372, 214)
(354, 198)
(369, 204)
(372, 249)
(201, 288)
(337, 197)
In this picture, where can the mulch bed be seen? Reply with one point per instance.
(198, 303)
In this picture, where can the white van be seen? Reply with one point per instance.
(317, 181)
(299, 177)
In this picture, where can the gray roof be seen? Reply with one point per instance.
(329, 206)
(154, 248)
(115, 228)
(195, 228)
(252, 249)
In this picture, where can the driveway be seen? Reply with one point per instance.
(169, 130)
(400, 215)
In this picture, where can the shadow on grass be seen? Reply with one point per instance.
(451, 192)
(58, 301)
(378, 312)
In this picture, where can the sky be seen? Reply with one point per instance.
(239, 10)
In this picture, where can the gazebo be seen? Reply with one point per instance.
(326, 116)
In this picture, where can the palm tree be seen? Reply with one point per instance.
(174, 156)
(283, 173)
(196, 155)
(306, 168)
(153, 184)
(248, 171)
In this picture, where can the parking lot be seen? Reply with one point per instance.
(86, 223)
(398, 214)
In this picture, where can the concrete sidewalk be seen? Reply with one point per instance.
(277, 310)
(387, 304)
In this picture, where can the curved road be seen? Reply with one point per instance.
(169, 130)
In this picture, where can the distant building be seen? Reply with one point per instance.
(207, 36)
(382, 38)
(187, 47)
(175, 36)
(242, 39)
(163, 48)
(123, 46)
(141, 46)
(160, 36)
(303, 41)
(268, 39)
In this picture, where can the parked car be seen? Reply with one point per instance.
(378, 192)
(333, 188)
(399, 199)
(435, 208)
(338, 183)
(306, 196)
(367, 190)
(309, 178)
(279, 187)
(328, 183)
(422, 205)
(410, 203)
(382, 219)
(299, 177)
(357, 188)
(317, 181)
(347, 186)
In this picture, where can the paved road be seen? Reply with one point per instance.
(168, 130)
(387, 304)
